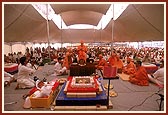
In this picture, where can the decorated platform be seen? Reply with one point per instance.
(63, 100)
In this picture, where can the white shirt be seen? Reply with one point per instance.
(58, 66)
(24, 72)
(159, 75)
(29, 65)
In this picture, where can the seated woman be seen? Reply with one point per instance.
(140, 77)
(24, 73)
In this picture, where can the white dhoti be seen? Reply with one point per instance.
(26, 83)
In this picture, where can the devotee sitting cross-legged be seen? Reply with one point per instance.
(140, 77)
(24, 74)
(101, 63)
(112, 59)
(119, 64)
(130, 68)
(58, 68)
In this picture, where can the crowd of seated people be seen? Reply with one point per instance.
(150, 55)
(121, 57)
(12, 57)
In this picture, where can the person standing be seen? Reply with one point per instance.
(82, 49)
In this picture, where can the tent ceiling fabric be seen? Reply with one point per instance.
(81, 13)
(100, 8)
(81, 17)
(139, 22)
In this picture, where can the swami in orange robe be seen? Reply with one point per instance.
(82, 49)
(67, 60)
(82, 55)
(102, 62)
(130, 68)
(112, 59)
(140, 77)
(118, 63)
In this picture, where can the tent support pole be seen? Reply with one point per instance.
(11, 47)
(61, 31)
(101, 34)
(112, 36)
(48, 34)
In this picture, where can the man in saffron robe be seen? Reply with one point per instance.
(112, 59)
(130, 68)
(68, 59)
(140, 77)
(82, 49)
(102, 62)
(119, 64)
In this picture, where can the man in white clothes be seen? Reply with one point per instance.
(24, 74)
(158, 76)
(58, 68)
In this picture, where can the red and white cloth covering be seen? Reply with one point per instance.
(54, 83)
(110, 71)
(11, 67)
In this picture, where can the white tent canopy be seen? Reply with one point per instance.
(139, 22)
